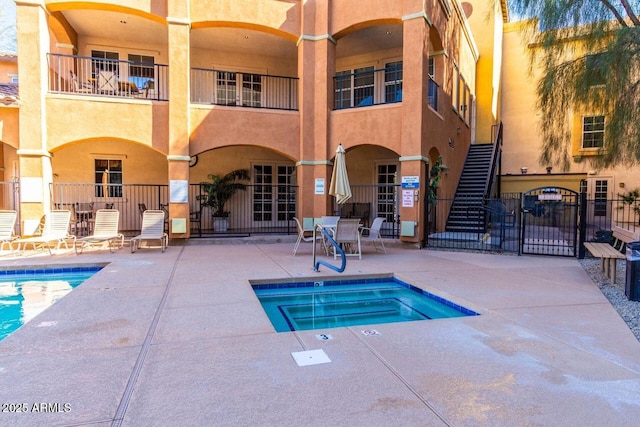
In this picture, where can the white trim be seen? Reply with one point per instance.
(422, 14)
(32, 152)
(178, 158)
(178, 21)
(67, 46)
(316, 38)
(418, 157)
(314, 163)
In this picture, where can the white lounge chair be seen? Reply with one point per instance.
(105, 229)
(7, 224)
(152, 229)
(374, 235)
(305, 235)
(56, 230)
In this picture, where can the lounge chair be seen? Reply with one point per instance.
(374, 235)
(152, 229)
(305, 235)
(105, 230)
(55, 230)
(80, 87)
(7, 224)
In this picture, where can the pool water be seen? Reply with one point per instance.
(335, 303)
(26, 293)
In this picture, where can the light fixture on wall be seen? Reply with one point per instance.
(549, 169)
(523, 170)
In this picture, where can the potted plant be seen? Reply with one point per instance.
(217, 192)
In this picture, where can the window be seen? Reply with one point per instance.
(228, 93)
(286, 207)
(433, 86)
(226, 88)
(142, 66)
(270, 181)
(393, 82)
(356, 86)
(263, 193)
(251, 90)
(593, 132)
(455, 90)
(363, 86)
(386, 203)
(104, 61)
(600, 198)
(108, 178)
(342, 90)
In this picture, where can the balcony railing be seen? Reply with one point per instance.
(82, 75)
(365, 88)
(219, 87)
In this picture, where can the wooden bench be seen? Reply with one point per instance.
(609, 254)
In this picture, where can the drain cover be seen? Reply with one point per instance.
(310, 357)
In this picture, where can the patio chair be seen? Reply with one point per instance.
(7, 224)
(107, 82)
(305, 235)
(80, 87)
(195, 219)
(55, 230)
(347, 235)
(105, 230)
(374, 235)
(152, 229)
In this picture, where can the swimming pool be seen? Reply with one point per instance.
(27, 292)
(335, 303)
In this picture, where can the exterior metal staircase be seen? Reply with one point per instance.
(466, 214)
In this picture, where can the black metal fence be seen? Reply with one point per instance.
(219, 87)
(83, 75)
(498, 223)
(271, 208)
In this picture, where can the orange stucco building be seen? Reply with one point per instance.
(169, 91)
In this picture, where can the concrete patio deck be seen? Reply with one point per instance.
(179, 339)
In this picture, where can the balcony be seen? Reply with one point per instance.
(367, 87)
(230, 88)
(81, 75)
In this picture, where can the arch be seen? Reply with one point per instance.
(434, 153)
(74, 5)
(366, 24)
(435, 39)
(250, 146)
(102, 139)
(246, 26)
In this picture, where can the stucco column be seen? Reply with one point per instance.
(413, 157)
(316, 67)
(35, 159)
(178, 157)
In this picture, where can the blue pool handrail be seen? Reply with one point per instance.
(343, 257)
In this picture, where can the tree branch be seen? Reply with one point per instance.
(630, 13)
(617, 14)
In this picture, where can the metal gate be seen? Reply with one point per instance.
(550, 221)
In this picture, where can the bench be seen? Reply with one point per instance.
(609, 253)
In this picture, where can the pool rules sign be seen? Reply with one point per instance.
(410, 186)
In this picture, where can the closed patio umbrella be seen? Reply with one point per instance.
(340, 187)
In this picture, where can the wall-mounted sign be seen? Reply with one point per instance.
(319, 186)
(178, 191)
(410, 182)
(407, 198)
